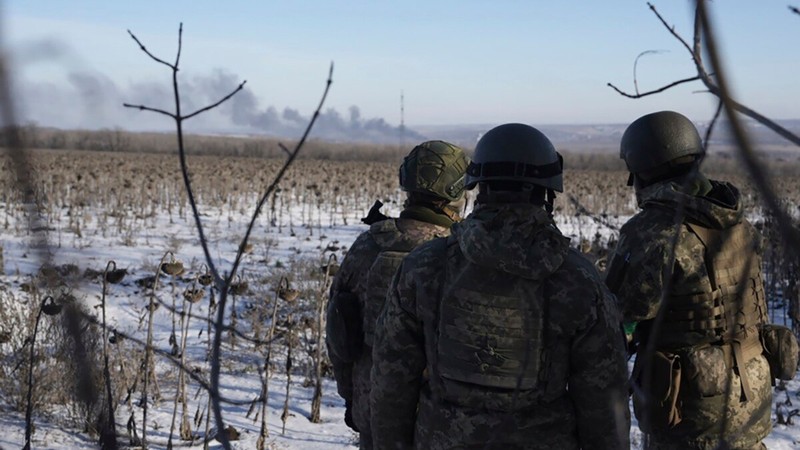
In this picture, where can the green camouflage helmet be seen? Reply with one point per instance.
(516, 152)
(658, 139)
(435, 168)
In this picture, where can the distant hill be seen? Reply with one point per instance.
(606, 137)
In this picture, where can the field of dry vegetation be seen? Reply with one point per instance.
(116, 184)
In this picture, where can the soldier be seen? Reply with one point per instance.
(706, 385)
(501, 336)
(433, 176)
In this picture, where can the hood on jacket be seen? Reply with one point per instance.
(519, 239)
(720, 208)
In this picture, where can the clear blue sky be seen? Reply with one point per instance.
(458, 62)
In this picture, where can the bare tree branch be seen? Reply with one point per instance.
(144, 49)
(180, 45)
(181, 149)
(202, 110)
(697, 53)
(655, 91)
(763, 120)
(794, 9)
(225, 328)
(636, 63)
(147, 108)
(215, 352)
(705, 78)
(222, 284)
(584, 211)
(166, 354)
(790, 234)
(671, 29)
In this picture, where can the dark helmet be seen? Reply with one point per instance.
(516, 152)
(435, 168)
(653, 144)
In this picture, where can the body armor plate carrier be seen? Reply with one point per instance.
(491, 330)
(730, 314)
(394, 247)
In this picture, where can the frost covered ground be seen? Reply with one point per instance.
(138, 244)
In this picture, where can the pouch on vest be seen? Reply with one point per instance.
(656, 406)
(781, 350)
(379, 279)
(343, 326)
(705, 369)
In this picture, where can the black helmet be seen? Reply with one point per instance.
(653, 144)
(516, 152)
(435, 168)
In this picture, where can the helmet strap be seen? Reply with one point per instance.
(550, 202)
(674, 169)
(528, 193)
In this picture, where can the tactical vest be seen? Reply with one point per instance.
(379, 276)
(489, 341)
(730, 313)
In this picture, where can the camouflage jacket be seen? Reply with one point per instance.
(637, 275)
(352, 377)
(578, 398)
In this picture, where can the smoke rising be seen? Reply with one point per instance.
(91, 100)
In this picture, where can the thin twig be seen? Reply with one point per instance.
(215, 351)
(636, 63)
(29, 407)
(180, 45)
(202, 110)
(655, 91)
(147, 108)
(697, 41)
(671, 28)
(225, 328)
(147, 52)
(789, 232)
(108, 435)
(582, 210)
(167, 355)
(710, 84)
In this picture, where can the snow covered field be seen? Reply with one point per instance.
(278, 249)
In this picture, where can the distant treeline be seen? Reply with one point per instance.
(118, 140)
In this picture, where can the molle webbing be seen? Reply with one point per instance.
(484, 339)
(731, 313)
(490, 329)
(733, 308)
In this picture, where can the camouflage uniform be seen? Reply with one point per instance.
(433, 175)
(391, 235)
(707, 411)
(499, 337)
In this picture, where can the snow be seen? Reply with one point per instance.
(138, 244)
